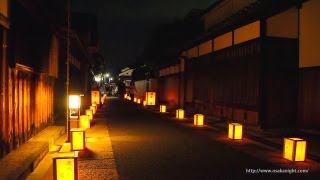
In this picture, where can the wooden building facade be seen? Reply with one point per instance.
(256, 63)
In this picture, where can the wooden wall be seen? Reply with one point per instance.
(28, 107)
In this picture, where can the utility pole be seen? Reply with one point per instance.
(67, 66)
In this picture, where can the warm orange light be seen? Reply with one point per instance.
(74, 106)
(294, 149)
(78, 136)
(74, 101)
(198, 120)
(89, 113)
(95, 97)
(144, 103)
(138, 101)
(65, 166)
(134, 99)
(93, 109)
(179, 113)
(150, 98)
(84, 122)
(163, 108)
(125, 96)
(235, 131)
(95, 106)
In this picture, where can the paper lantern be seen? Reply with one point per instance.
(93, 109)
(66, 166)
(95, 97)
(95, 106)
(179, 113)
(138, 101)
(198, 120)
(78, 136)
(235, 131)
(150, 98)
(74, 106)
(163, 108)
(134, 99)
(84, 122)
(294, 149)
(89, 113)
(144, 103)
(125, 96)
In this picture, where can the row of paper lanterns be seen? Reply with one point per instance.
(294, 149)
(65, 165)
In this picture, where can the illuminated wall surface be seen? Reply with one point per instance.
(205, 48)
(247, 32)
(309, 34)
(294, 149)
(193, 52)
(4, 7)
(95, 97)
(222, 41)
(284, 24)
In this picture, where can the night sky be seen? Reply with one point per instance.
(125, 25)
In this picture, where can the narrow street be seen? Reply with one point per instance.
(148, 146)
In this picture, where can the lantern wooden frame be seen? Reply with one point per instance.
(67, 159)
(294, 149)
(75, 141)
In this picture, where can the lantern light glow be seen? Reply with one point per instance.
(235, 131)
(198, 120)
(162, 108)
(89, 113)
(65, 166)
(84, 122)
(78, 139)
(179, 113)
(294, 149)
(150, 98)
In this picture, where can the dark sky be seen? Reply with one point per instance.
(125, 25)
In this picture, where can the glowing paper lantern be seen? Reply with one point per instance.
(65, 166)
(179, 113)
(134, 99)
(93, 109)
(125, 96)
(138, 101)
(95, 97)
(95, 106)
(89, 113)
(144, 103)
(294, 149)
(74, 106)
(84, 121)
(163, 108)
(78, 136)
(198, 120)
(235, 131)
(151, 98)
